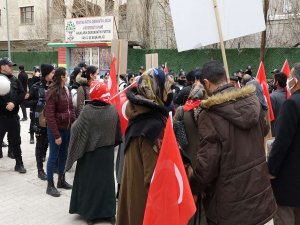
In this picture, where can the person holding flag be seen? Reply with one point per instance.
(283, 161)
(231, 164)
(147, 114)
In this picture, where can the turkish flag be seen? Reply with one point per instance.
(262, 79)
(112, 80)
(120, 102)
(170, 199)
(286, 69)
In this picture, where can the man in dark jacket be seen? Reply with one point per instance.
(9, 108)
(278, 97)
(183, 94)
(284, 165)
(35, 78)
(37, 100)
(23, 78)
(231, 164)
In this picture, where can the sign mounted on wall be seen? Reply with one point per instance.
(89, 29)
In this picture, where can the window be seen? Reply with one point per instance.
(27, 15)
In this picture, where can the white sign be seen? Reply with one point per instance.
(89, 29)
(195, 22)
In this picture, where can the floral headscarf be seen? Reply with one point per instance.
(155, 86)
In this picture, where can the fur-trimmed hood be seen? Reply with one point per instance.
(239, 106)
(81, 80)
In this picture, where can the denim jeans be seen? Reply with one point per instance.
(59, 152)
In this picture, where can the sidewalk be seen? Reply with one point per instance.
(23, 198)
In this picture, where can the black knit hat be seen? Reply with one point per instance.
(46, 69)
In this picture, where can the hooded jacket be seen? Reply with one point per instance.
(231, 164)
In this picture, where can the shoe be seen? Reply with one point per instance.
(42, 175)
(51, 190)
(20, 168)
(31, 139)
(23, 119)
(4, 145)
(10, 154)
(61, 183)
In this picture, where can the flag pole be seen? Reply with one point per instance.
(220, 32)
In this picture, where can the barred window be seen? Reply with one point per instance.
(27, 15)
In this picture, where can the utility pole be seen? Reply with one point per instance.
(8, 38)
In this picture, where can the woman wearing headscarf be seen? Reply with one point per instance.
(93, 137)
(147, 114)
(59, 116)
(83, 92)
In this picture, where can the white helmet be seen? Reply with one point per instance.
(4, 85)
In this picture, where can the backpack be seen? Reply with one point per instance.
(39, 114)
(74, 95)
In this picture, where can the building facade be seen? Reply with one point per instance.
(35, 23)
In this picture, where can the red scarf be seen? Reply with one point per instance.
(191, 104)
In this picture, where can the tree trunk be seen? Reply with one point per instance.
(263, 42)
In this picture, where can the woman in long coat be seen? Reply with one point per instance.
(147, 114)
(93, 137)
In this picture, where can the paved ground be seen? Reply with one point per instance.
(23, 198)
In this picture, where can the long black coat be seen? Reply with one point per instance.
(284, 159)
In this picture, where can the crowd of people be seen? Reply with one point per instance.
(220, 127)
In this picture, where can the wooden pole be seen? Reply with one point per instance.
(217, 14)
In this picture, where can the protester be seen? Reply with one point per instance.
(93, 137)
(31, 81)
(248, 70)
(59, 116)
(37, 100)
(9, 108)
(284, 157)
(231, 163)
(278, 97)
(130, 78)
(234, 80)
(183, 94)
(248, 80)
(23, 78)
(147, 116)
(189, 115)
(83, 92)
(141, 70)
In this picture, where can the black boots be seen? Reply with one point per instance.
(10, 153)
(20, 168)
(42, 175)
(51, 190)
(61, 183)
(31, 138)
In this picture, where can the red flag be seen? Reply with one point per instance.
(286, 69)
(120, 101)
(170, 199)
(262, 79)
(112, 80)
(166, 69)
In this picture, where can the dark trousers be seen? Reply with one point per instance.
(32, 121)
(23, 108)
(11, 125)
(59, 152)
(41, 146)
